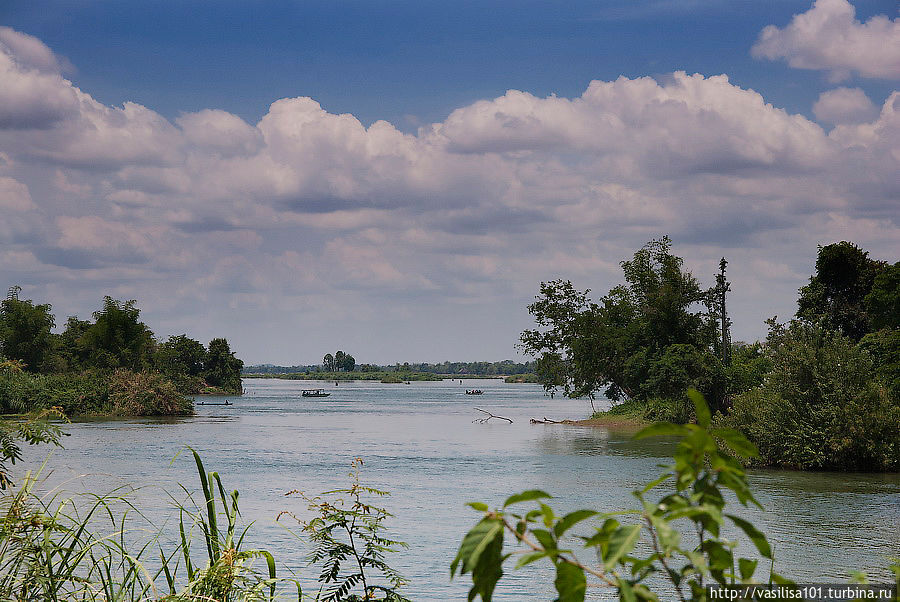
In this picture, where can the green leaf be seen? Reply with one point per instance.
(474, 543)
(545, 538)
(626, 593)
(755, 535)
(529, 558)
(571, 519)
(481, 507)
(747, 567)
(779, 580)
(656, 482)
(662, 429)
(737, 442)
(620, 543)
(700, 407)
(570, 582)
(526, 496)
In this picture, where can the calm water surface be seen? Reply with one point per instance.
(419, 442)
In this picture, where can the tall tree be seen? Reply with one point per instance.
(622, 344)
(221, 368)
(25, 330)
(181, 355)
(835, 295)
(883, 300)
(118, 339)
(338, 361)
(349, 363)
(328, 363)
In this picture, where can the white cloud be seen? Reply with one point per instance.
(844, 105)
(828, 37)
(309, 209)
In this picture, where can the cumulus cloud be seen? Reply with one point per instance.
(314, 210)
(844, 105)
(828, 37)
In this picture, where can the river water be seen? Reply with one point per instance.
(419, 442)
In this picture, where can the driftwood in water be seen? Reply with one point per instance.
(489, 416)
(548, 421)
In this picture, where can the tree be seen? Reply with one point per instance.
(349, 363)
(118, 339)
(70, 349)
(182, 359)
(221, 368)
(338, 361)
(836, 293)
(622, 343)
(25, 330)
(883, 300)
(822, 406)
(328, 363)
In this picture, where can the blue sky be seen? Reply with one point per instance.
(400, 59)
(459, 153)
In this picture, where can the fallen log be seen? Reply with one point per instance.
(548, 421)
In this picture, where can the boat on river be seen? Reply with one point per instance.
(315, 393)
(474, 392)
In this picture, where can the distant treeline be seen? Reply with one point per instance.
(503, 368)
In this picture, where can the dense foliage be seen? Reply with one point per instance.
(649, 339)
(822, 406)
(111, 365)
(822, 392)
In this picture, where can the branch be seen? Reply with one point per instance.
(489, 416)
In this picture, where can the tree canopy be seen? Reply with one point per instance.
(651, 337)
(25, 331)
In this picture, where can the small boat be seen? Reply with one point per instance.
(212, 403)
(474, 392)
(315, 393)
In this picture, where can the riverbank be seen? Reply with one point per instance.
(628, 415)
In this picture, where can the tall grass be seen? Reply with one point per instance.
(54, 549)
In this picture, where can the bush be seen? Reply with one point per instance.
(122, 393)
(146, 394)
(821, 407)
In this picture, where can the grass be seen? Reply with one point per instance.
(627, 414)
(58, 549)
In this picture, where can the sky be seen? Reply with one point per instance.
(395, 179)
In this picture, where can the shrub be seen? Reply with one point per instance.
(146, 394)
(821, 407)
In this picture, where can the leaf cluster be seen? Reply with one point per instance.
(349, 547)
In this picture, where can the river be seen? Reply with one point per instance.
(419, 442)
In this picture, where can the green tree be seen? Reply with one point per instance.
(626, 343)
(349, 363)
(328, 363)
(117, 339)
(883, 300)
(25, 331)
(70, 350)
(822, 406)
(339, 361)
(222, 369)
(836, 293)
(884, 347)
(182, 359)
